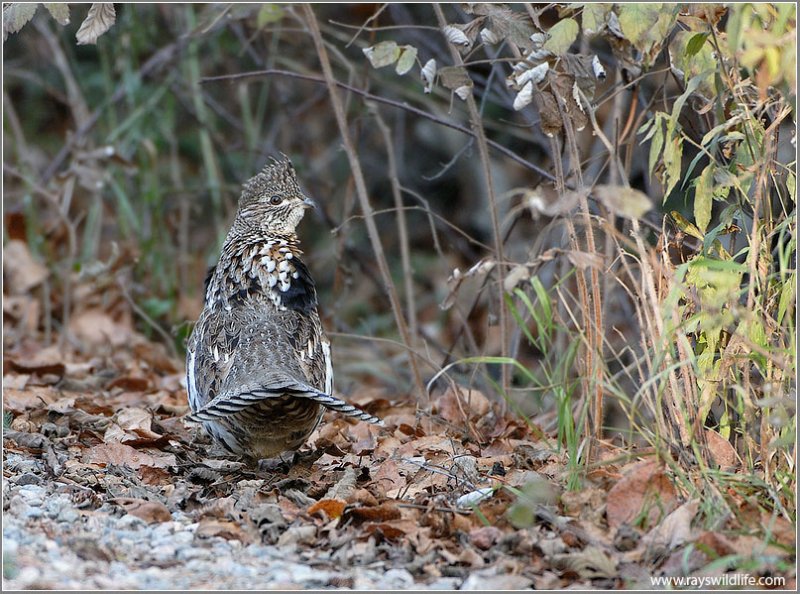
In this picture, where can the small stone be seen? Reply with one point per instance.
(68, 515)
(129, 522)
(28, 478)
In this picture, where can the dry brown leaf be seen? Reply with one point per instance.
(721, 450)
(344, 487)
(587, 504)
(96, 328)
(120, 454)
(100, 18)
(592, 562)
(151, 475)
(21, 270)
(388, 477)
(379, 513)
(132, 426)
(674, 530)
(643, 489)
(227, 530)
(392, 530)
(32, 397)
(306, 534)
(362, 497)
(332, 508)
(149, 511)
(454, 406)
(24, 310)
(42, 368)
(485, 537)
(130, 384)
(16, 382)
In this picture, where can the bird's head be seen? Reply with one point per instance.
(272, 200)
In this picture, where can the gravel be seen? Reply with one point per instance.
(49, 543)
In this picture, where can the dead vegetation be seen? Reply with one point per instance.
(556, 252)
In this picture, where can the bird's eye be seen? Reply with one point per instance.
(275, 200)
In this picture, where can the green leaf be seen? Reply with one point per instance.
(382, 54)
(739, 16)
(690, 88)
(407, 59)
(656, 145)
(695, 43)
(594, 16)
(664, 23)
(673, 155)
(636, 21)
(702, 63)
(703, 194)
(561, 36)
(788, 296)
(268, 14)
(685, 225)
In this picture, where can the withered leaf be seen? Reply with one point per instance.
(99, 20)
(454, 77)
(549, 116)
(22, 271)
(16, 15)
(359, 514)
(332, 508)
(150, 511)
(59, 11)
(623, 201)
(120, 454)
(386, 531)
(227, 530)
(644, 489)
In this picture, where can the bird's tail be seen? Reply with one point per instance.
(222, 407)
(343, 408)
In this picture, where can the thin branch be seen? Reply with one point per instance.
(361, 189)
(398, 104)
(476, 123)
(402, 227)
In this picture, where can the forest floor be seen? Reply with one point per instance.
(106, 486)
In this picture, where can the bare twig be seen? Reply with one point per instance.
(361, 190)
(398, 104)
(402, 228)
(476, 124)
(161, 57)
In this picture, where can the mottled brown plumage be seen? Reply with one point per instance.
(258, 363)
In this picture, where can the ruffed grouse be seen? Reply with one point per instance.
(258, 364)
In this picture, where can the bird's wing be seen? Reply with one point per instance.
(210, 357)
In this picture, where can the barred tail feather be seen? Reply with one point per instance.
(226, 406)
(340, 406)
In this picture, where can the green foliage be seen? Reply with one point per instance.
(561, 36)
(554, 378)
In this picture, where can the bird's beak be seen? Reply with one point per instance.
(309, 203)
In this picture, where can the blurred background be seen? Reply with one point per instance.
(123, 161)
(123, 166)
